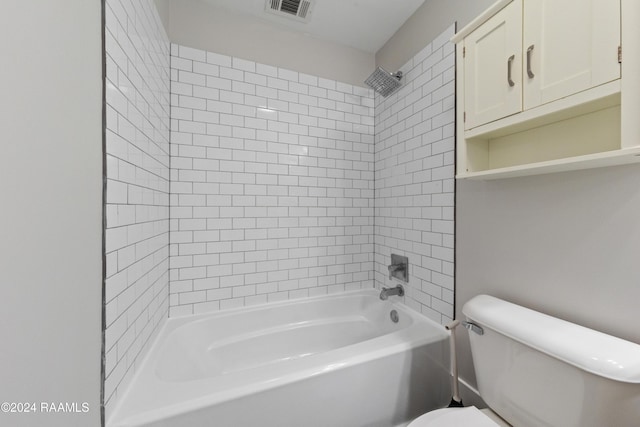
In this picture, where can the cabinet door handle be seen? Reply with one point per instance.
(509, 63)
(529, 72)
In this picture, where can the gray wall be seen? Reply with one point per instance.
(566, 244)
(196, 24)
(431, 19)
(51, 215)
(162, 6)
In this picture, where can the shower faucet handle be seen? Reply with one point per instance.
(395, 267)
(399, 268)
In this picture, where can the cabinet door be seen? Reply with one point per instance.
(492, 67)
(569, 46)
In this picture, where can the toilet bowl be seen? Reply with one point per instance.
(457, 417)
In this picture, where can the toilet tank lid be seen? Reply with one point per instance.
(592, 351)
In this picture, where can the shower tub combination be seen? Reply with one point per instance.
(336, 360)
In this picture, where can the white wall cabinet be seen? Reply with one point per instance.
(568, 46)
(541, 87)
(494, 63)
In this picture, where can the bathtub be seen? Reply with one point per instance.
(335, 360)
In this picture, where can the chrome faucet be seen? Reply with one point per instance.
(386, 292)
(399, 268)
(396, 267)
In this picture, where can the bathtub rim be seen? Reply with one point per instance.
(145, 414)
(178, 321)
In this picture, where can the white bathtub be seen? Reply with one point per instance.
(328, 361)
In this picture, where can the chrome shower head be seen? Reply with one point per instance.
(384, 82)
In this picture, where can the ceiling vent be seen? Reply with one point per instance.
(299, 10)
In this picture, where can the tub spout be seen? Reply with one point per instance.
(386, 292)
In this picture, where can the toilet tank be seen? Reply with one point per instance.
(535, 370)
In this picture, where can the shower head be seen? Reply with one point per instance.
(383, 81)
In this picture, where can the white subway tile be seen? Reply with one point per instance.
(267, 179)
(217, 59)
(204, 68)
(243, 87)
(181, 64)
(206, 92)
(206, 307)
(266, 70)
(190, 53)
(233, 97)
(191, 78)
(231, 73)
(218, 83)
(288, 75)
(137, 187)
(327, 84)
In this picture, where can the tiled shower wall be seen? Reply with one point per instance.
(414, 179)
(271, 183)
(137, 196)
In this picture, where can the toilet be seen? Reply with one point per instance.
(534, 370)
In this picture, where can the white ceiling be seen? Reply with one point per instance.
(362, 24)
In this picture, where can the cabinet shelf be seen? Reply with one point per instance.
(609, 158)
